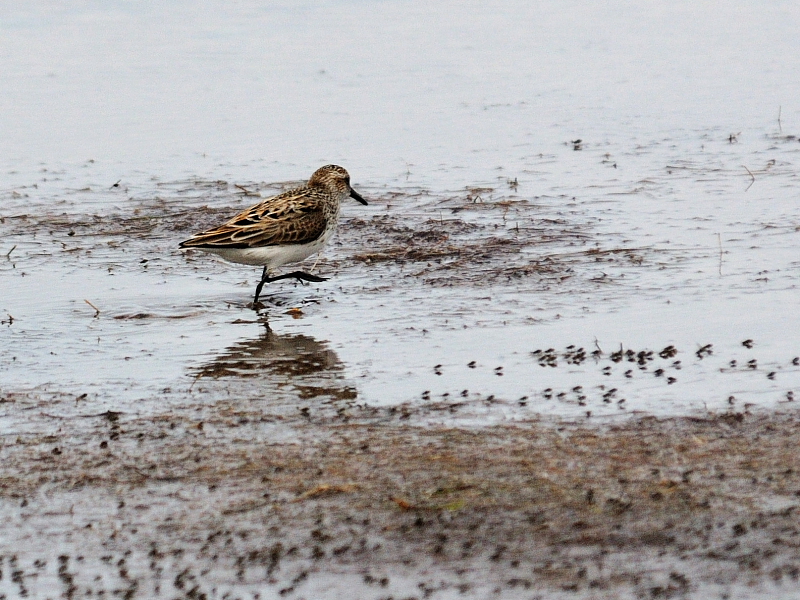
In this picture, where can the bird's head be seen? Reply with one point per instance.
(335, 179)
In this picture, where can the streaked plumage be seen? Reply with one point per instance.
(283, 229)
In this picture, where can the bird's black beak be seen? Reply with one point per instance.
(357, 196)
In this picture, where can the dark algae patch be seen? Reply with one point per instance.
(646, 508)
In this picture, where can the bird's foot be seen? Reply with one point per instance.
(299, 275)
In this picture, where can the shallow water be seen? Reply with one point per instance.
(619, 268)
(673, 118)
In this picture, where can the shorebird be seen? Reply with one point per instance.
(283, 229)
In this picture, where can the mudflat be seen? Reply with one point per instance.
(375, 504)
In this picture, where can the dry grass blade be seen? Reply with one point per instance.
(96, 310)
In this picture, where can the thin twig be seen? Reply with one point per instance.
(780, 128)
(8, 254)
(719, 240)
(245, 190)
(753, 177)
(97, 310)
(195, 380)
(247, 507)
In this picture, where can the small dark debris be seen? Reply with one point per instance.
(704, 351)
(668, 352)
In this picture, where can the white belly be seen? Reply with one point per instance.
(271, 257)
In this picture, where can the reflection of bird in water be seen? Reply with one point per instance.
(308, 365)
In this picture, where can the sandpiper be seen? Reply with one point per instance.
(283, 229)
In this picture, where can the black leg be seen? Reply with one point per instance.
(299, 275)
(260, 284)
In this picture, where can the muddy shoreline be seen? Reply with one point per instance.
(181, 507)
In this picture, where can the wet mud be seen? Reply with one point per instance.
(205, 503)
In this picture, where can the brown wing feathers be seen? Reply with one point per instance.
(294, 217)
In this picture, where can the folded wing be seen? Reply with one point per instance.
(294, 217)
